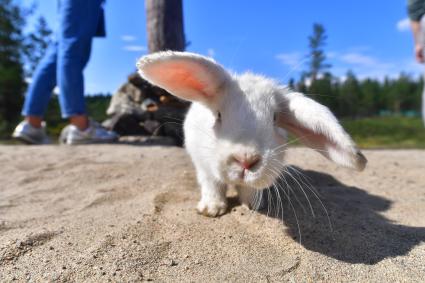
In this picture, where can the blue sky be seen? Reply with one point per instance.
(371, 38)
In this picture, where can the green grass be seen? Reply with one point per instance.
(376, 132)
(387, 132)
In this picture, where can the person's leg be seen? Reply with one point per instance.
(423, 104)
(82, 121)
(40, 89)
(78, 23)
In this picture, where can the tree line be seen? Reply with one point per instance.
(351, 97)
(354, 98)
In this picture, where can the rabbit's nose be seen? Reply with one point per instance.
(247, 161)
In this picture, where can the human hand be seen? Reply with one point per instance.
(419, 53)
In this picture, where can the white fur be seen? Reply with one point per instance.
(247, 104)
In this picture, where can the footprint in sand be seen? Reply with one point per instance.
(162, 199)
(104, 197)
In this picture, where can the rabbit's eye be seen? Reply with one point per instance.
(218, 117)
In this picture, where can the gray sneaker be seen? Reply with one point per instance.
(31, 135)
(95, 133)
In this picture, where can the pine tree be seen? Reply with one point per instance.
(317, 57)
(36, 44)
(370, 97)
(322, 91)
(350, 92)
(11, 72)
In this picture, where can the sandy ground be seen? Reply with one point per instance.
(126, 213)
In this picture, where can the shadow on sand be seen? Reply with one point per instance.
(358, 232)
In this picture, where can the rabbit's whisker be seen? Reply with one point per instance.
(293, 210)
(297, 66)
(310, 187)
(282, 177)
(302, 190)
(316, 194)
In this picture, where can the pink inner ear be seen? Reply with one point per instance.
(178, 77)
(316, 141)
(306, 136)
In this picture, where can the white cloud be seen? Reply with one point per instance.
(331, 55)
(358, 59)
(134, 48)
(128, 38)
(367, 66)
(210, 52)
(410, 65)
(403, 25)
(363, 65)
(293, 59)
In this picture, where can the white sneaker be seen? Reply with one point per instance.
(95, 133)
(31, 135)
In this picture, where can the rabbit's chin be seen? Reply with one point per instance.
(257, 180)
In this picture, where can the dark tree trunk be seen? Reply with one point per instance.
(138, 108)
(165, 25)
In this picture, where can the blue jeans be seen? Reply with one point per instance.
(65, 59)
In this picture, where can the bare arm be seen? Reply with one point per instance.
(419, 48)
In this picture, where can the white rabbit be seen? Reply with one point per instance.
(235, 130)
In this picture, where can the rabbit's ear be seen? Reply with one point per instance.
(318, 128)
(186, 75)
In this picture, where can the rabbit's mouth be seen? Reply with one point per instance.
(258, 178)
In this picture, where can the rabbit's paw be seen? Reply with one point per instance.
(212, 208)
